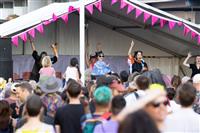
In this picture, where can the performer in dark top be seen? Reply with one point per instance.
(38, 59)
(136, 62)
(195, 67)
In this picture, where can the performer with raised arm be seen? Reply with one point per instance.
(136, 62)
(38, 60)
(195, 67)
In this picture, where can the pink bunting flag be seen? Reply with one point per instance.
(171, 24)
(113, 2)
(162, 23)
(23, 36)
(154, 19)
(186, 30)
(138, 13)
(54, 17)
(199, 39)
(46, 22)
(123, 4)
(90, 8)
(71, 8)
(31, 32)
(98, 5)
(146, 16)
(40, 28)
(65, 17)
(130, 9)
(15, 40)
(180, 23)
(193, 34)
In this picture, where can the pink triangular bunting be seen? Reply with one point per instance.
(54, 17)
(146, 16)
(138, 13)
(193, 34)
(65, 17)
(46, 22)
(154, 19)
(186, 30)
(130, 8)
(113, 2)
(90, 8)
(98, 5)
(123, 4)
(15, 40)
(162, 23)
(40, 28)
(199, 39)
(180, 23)
(31, 32)
(23, 36)
(71, 8)
(171, 24)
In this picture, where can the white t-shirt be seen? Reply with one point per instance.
(71, 72)
(131, 98)
(185, 120)
(42, 128)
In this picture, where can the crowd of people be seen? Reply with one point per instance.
(135, 101)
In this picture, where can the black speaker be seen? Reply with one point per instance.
(6, 63)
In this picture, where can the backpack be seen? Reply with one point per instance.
(91, 123)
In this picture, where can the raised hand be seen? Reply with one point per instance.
(189, 55)
(132, 43)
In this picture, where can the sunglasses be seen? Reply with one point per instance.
(156, 105)
(101, 56)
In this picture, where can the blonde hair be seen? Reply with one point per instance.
(46, 61)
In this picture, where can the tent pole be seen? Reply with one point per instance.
(82, 40)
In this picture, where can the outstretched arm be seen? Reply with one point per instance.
(32, 44)
(131, 47)
(54, 49)
(186, 60)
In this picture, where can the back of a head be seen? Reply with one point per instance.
(138, 122)
(176, 81)
(142, 82)
(33, 105)
(170, 93)
(124, 76)
(118, 103)
(102, 95)
(74, 62)
(5, 113)
(25, 86)
(102, 81)
(46, 61)
(186, 94)
(74, 89)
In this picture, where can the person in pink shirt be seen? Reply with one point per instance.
(47, 69)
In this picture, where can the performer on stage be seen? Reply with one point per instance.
(195, 67)
(136, 62)
(38, 60)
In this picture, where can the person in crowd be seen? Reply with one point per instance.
(176, 81)
(47, 69)
(73, 71)
(5, 117)
(185, 79)
(102, 97)
(24, 89)
(195, 67)
(172, 106)
(124, 78)
(196, 83)
(100, 67)
(38, 60)
(142, 83)
(185, 120)
(50, 99)
(111, 126)
(67, 118)
(136, 62)
(33, 124)
(138, 122)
